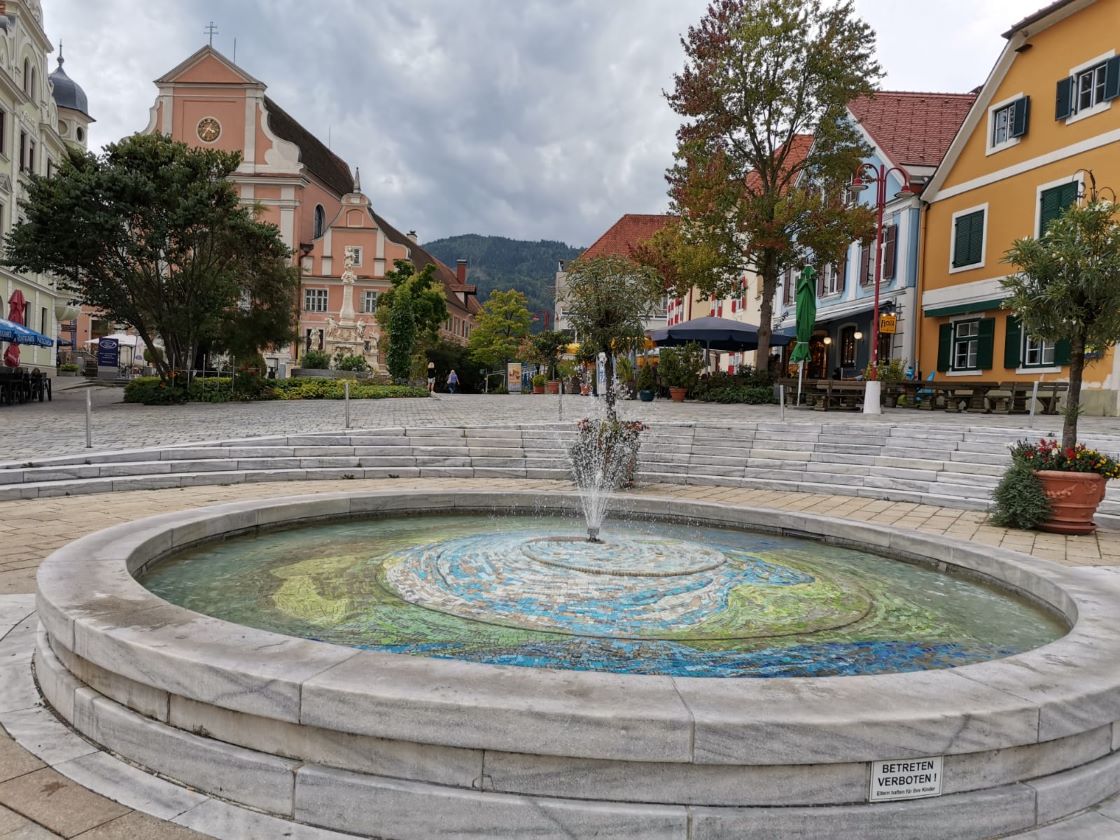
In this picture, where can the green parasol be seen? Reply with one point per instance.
(806, 317)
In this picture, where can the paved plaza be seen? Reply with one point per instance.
(51, 798)
(58, 428)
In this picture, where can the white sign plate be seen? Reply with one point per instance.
(906, 778)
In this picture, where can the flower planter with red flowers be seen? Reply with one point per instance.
(1074, 481)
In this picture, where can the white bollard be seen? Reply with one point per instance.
(1034, 401)
(782, 400)
(872, 397)
(89, 418)
(346, 399)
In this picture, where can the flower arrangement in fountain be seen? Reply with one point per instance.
(1048, 454)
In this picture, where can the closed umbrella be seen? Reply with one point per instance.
(806, 318)
(17, 305)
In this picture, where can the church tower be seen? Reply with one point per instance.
(73, 107)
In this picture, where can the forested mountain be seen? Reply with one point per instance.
(497, 262)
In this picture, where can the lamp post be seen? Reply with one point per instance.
(877, 175)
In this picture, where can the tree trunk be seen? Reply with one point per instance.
(765, 318)
(610, 396)
(1073, 398)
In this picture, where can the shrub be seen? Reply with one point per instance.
(68, 368)
(680, 366)
(351, 363)
(151, 390)
(1020, 500)
(316, 360)
(334, 389)
(540, 380)
(647, 378)
(749, 395)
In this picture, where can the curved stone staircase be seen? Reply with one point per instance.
(948, 465)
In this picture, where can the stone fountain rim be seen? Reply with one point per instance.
(90, 604)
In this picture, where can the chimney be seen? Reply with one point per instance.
(412, 235)
(461, 272)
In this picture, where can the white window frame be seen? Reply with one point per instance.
(365, 300)
(1100, 107)
(832, 284)
(319, 296)
(991, 147)
(1042, 346)
(953, 239)
(1078, 177)
(974, 339)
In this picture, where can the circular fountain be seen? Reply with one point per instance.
(704, 671)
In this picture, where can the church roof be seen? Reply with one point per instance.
(67, 93)
(314, 154)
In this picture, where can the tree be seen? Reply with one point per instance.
(546, 348)
(608, 301)
(152, 234)
(502, 325)
(1067, 287)
(412, 309)
(760, 77)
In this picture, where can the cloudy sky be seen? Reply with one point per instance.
(535, 119)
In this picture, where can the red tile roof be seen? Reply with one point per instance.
(912, 128)
(626, 234)
(1031, 19)
(799, 150)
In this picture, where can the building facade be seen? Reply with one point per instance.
(31, 141)
(1044, 127)
(307, 191)
(907, 132)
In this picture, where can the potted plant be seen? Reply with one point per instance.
(680, 369)
(539, 381)
(545, 349)
(647, 382)
(68, 369)
(891, 374)
(1073, 481)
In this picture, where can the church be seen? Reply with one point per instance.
(313, 197)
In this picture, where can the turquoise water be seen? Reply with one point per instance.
(654, 598)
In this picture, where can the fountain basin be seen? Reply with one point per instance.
(377, 743)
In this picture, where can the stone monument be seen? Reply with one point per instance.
(348, 334)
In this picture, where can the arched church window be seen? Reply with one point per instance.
(320, 220)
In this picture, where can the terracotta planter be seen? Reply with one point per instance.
(553, 386)
(1074, 497)
(538, 389)
(678, 394)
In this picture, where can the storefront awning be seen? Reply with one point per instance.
(963, 308)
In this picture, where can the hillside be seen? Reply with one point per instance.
(497, 262)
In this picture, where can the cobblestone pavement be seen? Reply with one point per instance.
(58, 427)
(38, 802)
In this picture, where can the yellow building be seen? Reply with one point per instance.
(1044, 126)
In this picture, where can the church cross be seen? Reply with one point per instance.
(211, 29)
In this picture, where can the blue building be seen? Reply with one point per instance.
(910, 131)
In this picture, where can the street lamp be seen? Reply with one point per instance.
(877, 175)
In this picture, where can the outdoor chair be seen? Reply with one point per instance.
(925, 397)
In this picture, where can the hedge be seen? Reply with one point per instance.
(150, 390)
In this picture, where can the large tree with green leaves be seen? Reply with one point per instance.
(1067, 287)
(411, 310)
(747, 186)
(607, 303)
(151, 233)
(503, 324)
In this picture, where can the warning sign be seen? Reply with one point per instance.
(913, 778)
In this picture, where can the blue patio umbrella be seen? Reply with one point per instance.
(19, 334)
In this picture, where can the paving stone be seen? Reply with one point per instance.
(136, 826)
(55, 802)
(15, 760)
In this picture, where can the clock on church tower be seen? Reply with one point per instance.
(209, 129)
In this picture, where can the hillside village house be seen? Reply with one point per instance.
(1045, 125)
(907, 131)
(308, 192)
(39, 115)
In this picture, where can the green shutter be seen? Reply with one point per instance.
(1020, 116)
(976, 241)
(968, 247)
(960, 243)
(1061, 352)
(944, 347)
(1053, 202)
(1112, 78)
(1013, 343)
(985, 344)
(1064, 100)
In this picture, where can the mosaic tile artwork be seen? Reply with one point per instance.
(652, 598)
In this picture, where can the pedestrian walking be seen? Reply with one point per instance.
(431, 377)
(452, 382)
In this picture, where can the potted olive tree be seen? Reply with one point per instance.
(680, 369)
(1066, 287)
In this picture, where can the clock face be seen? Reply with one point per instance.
(209, 129)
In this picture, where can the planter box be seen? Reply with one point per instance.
(678, 394)
(553, 387)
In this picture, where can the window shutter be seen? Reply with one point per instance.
(1061, 352)
(960, 242)
(820, 281)
(1064, 104)
(1013, 343)
(865, 263)
(976, 237)
(944, 347)
(842, 273)
(1112, 78)
(1020, 116)
(890, 249)
(985, 344)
